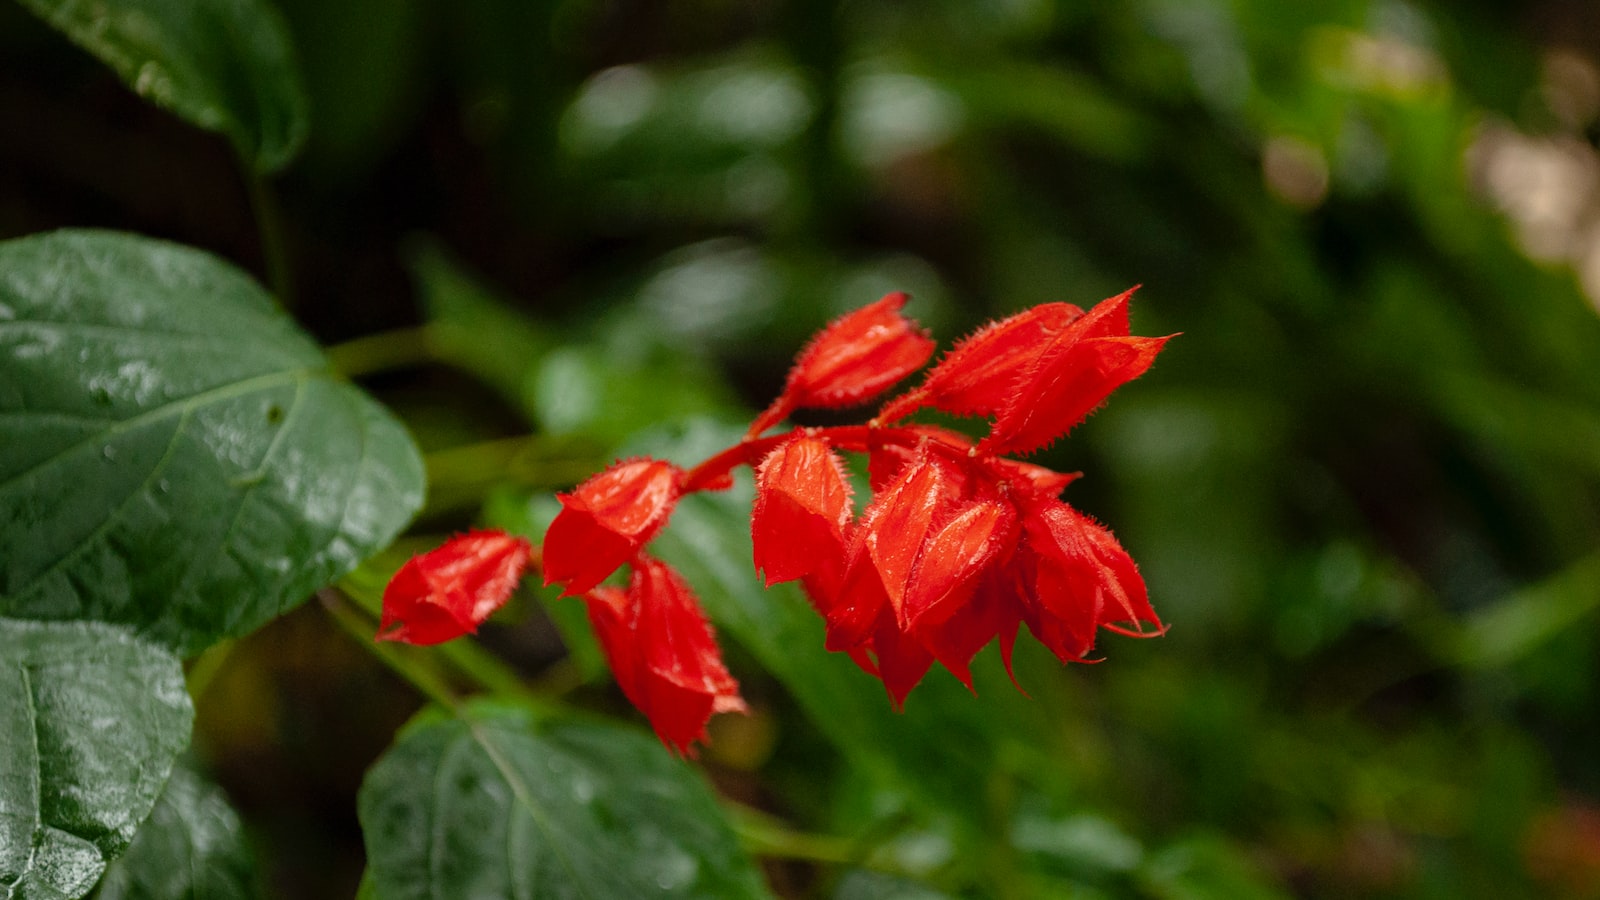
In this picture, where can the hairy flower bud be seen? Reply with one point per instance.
(802, 510)
(855, 358)
(450, 590)
(607, 520)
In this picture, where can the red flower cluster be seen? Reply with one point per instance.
(958, 545)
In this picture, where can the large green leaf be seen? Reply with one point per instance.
(192, 846)
(499, 804)
(224, 65)
(91, 719)
(173, 453)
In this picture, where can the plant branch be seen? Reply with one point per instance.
(382, 352)
(408, 666)
(274, 246)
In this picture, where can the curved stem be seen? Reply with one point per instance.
(274, 248)
(408, 666)
(397, 349)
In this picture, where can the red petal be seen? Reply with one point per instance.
(902, 660)
(978, 375)
(607, 520)
(450, 590)
(885, 463)
(1039, 482)
(899, 521)
(663, 654)
(1076, 578)
(954, 556)
(852, 360)
(1065, 386)
(802, 510)
(614, 615)
(853, 608)
(1061, 605)
(1079, 368)
(978, 616)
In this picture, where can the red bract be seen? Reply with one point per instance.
(978, 376)
(450, 590)
(851, 361)
(607, 520)
(1078, 368)
(662, 653)
(801, 511)
(984, 532)
(1077, 578)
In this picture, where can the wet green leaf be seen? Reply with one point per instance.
(174, 455)
(864, 885)
(225, 66)
(92, 719)
(192, 846)
(498, 803)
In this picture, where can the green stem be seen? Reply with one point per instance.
(204, 670)
(274, 248)
(470, 660)
(398, 349)
(532, 460)
(409, 667)
(764, 835)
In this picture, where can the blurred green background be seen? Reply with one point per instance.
(1364, 485)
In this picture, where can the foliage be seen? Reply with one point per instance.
(1362, 487)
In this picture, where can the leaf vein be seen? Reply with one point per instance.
(179, 406)
(520, 791)
(115, 514)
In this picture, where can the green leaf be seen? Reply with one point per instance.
(192, 846)
(501, 804)
(1206, 867)
(1527, 619)
(602, 388)
(174, 454)
(92, 720)
(860, 884)
(473, 326)
(224, 65)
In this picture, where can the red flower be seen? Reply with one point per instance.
(607, 520)
(662, 653)
(958, 545)
(854, 359)
(449, 591)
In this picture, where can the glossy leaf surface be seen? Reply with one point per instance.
(91, 720)
(173, 453)
(225, 66)
(499, 804)
(192, 846)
